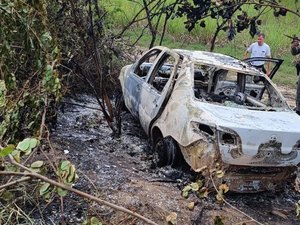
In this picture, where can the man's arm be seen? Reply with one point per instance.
(246, 54)
(248, 50)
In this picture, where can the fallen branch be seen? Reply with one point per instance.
(15, 182)
(68, 188)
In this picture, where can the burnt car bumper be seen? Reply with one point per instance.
(245, 179)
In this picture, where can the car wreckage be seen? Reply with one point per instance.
(213, 109)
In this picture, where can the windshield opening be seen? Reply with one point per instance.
(236, 89)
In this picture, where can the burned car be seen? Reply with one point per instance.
(214, 109)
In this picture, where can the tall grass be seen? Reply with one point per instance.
(122, 11)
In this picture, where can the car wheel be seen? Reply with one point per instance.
(166, 152)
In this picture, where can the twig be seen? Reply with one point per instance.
(66, 187)
(43, 119)
(15, 182)
(236, 209)
(20, 211)
(84, 106)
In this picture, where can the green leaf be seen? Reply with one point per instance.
(27, 145)
(37, 164)
(185, 191)
(16, 155)
(33, 143)
(7, 150)
(187, 188)
(71, 176)
(220, 173)
(55, 50)
(61, 192)
(65, 165)
(194, 186)
(44, 189)
(24, 145)
(95, 221)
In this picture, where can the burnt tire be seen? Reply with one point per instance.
(167, 152)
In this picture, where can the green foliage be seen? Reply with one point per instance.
(27, 145)
(28, 67)
(7, 150)
(199, 38)
(92, 221)
(67, 172)
(195, 187)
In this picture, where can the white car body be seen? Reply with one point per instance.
(210, 105)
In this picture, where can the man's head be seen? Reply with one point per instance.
(260, 39)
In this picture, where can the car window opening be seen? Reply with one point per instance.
(235, 89)
(162, 72)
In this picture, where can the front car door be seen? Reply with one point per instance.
(137, 76)
(157, 89)
(274, 63)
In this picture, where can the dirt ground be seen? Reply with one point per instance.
(120, 170)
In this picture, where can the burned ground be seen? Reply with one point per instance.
(120, 170)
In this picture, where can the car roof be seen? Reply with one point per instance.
(218, 60)
(215, 60)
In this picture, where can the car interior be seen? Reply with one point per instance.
(234, 89)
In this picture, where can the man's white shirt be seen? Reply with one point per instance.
(259, 51)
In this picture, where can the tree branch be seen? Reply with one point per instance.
(66, 187)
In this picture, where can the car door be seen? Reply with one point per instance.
(157, 89)
(274, 63)
(137, 77)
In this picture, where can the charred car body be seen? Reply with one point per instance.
(214, 109)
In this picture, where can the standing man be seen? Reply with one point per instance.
(295, 50)
(259, 49)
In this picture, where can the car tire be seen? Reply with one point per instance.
(166, 152)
